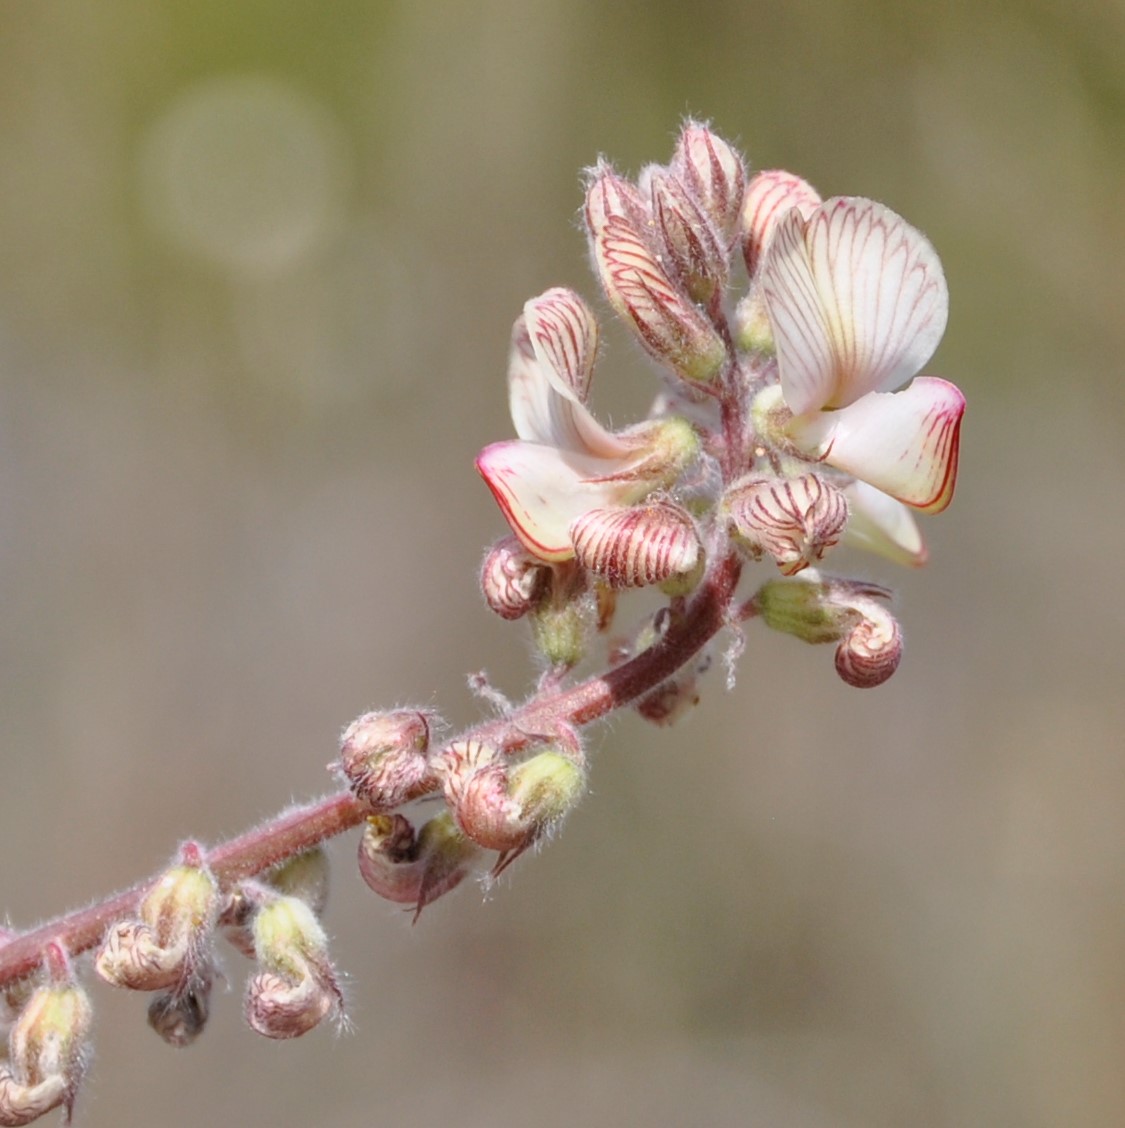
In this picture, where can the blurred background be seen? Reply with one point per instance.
(260, 263)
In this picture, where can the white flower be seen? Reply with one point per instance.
(565, 463)
(857, 304)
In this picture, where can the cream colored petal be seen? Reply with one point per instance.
(903, 443)
(857, 302)
(542, 491)
(880, 524)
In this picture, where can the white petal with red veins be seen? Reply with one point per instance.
(904, 443)
(545, 407)
(857, 301)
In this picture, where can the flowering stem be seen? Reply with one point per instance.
(299, 828)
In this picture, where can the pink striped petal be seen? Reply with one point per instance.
(564, 335)
(549, 362)
(904, 443)
(769, 195)
(857, 301)
(880, 524)
(542, 491)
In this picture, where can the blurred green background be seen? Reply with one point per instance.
(260, 262)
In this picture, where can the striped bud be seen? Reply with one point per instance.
(715, 174)
(169, 944)
(639, 545)
(512, 580)
(794, 520)
(769, 196)
(383, 756)
(690, 243)
(295, 988)
(871, 653)
(508, 807)
(666, 322)
(414, 868)
(848, 612)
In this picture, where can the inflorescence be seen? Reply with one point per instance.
(788, 421)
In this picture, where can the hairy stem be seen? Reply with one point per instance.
(300, 828)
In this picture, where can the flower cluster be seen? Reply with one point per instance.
(790, 420)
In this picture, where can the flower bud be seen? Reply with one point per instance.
(690, 243)
(304, 875)
(47, 1045)
(769, 196)
(511, 579)
(169, 943)
(296, 987)
(384, 757)
(610, 196)
(666, 322)
(561, 628)
(844, 611)
(715, 174)
(637, 546)
(508, 807)
(794, 520)
(751, 327)
(414, 869)
(871, 653)
(180, 1016)
(670, 700)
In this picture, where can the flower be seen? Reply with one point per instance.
(857, 303)
(565, 463)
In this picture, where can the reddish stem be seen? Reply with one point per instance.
(300, 828)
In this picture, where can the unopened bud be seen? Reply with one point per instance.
(848, 612)
(561, 628)
(169, 942)
(667, 324)
(180, 1016)
(688, 239)
(769, 196)
(611, 196)
(508, 807)
(305, 875)
(48, 1046)
(751, 327)
(639, 545)
(715, 174)
(296, 988)
(414, 868)
(871, 653)
(512, 580)
(794, 520)
(666, 704)
(384, 757)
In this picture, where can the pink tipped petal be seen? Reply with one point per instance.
(857, 299)
(542, 491)
(884, 526)
(904, 443)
